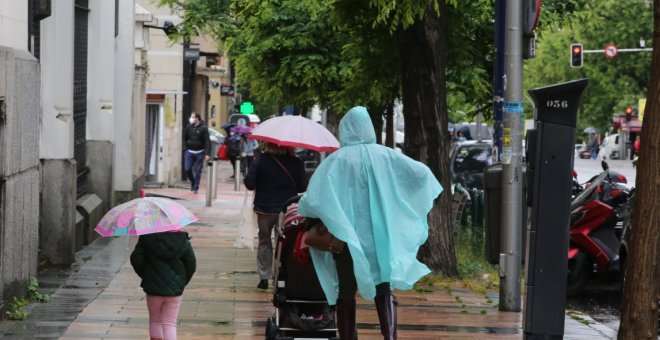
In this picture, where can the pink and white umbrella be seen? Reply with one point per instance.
(145, 215)
(296, 131)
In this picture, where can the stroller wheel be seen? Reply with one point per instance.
(271, 329)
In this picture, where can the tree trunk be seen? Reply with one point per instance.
(422, 49)
(376, 115)
(639, 306)
(389, 128)
(332, 122)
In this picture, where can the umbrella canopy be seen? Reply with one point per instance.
(296, 131)
(591, 130)
(146, 215)
(241, 129)
(227, 127)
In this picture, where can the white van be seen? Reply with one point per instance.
(610, 148)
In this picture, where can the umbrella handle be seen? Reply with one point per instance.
(141, 193)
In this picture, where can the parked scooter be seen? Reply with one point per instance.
(597, 215)
(615, 177)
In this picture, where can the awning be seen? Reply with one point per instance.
(165, 92)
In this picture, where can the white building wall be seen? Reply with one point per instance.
(13, 24)
(57, 81)
(166, 75)
(100, 66)
(123, 99)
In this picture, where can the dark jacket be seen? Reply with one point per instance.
(165, 262)
(197, 137)
(271, 183)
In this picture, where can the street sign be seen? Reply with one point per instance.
(532, 9)
(226, 90)
(611, 50)
(191, 54)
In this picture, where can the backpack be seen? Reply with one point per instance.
(234, 148)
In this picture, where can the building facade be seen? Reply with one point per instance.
(19, 153)
(72, 92)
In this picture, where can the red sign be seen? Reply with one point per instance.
(611, 51)
(532, 9)
(619, 122)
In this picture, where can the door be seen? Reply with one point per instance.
(151, 142)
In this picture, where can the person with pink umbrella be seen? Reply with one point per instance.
(165, 262)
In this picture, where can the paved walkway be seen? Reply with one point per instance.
(101, 298)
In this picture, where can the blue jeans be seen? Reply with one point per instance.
(192, 164)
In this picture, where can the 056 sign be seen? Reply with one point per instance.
(557, 104)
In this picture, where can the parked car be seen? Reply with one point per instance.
(610, 148)
(468, 160)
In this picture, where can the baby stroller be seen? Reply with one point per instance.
(301, 310)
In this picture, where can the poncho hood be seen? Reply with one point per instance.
(356, 128)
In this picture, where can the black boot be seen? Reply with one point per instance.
(346, 319)
(386, 307)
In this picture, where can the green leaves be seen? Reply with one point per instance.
(613, 83)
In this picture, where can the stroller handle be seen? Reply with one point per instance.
(290, 201)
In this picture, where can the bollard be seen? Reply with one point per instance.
(214, 178)
(237, 175)
(209, 180)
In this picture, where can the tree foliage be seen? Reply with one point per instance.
(614, 84)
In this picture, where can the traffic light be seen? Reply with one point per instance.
(629, 111)
(576, 55)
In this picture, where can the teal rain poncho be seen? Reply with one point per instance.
(376, 200)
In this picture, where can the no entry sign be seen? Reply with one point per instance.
(611, 50)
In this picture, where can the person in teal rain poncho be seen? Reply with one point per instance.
(376, 200)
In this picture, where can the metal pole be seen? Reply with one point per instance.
(237, 175)
(512, 176)
(324, 122)
(498, 78)
(479, 118)
(214, 178)
(209, 185)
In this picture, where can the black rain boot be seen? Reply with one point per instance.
(346, 319)
(386, 307)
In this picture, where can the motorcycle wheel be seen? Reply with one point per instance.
(578, 273)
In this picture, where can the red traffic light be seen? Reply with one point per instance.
(629, 110)
(576, 55)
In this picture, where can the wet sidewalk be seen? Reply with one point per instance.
(101, 299)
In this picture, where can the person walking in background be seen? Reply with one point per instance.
(376, 200)
(248, 148)
(165, 262)
(197, 151)
(592, 145)
(234, 145)
(275, 176)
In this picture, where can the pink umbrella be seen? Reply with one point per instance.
(296, 131)
(145, 215)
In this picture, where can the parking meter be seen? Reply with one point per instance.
(550, 166)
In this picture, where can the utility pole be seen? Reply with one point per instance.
(512, 175)
(498, 78)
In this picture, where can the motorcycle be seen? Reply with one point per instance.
(615, 177)
(597, 215)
